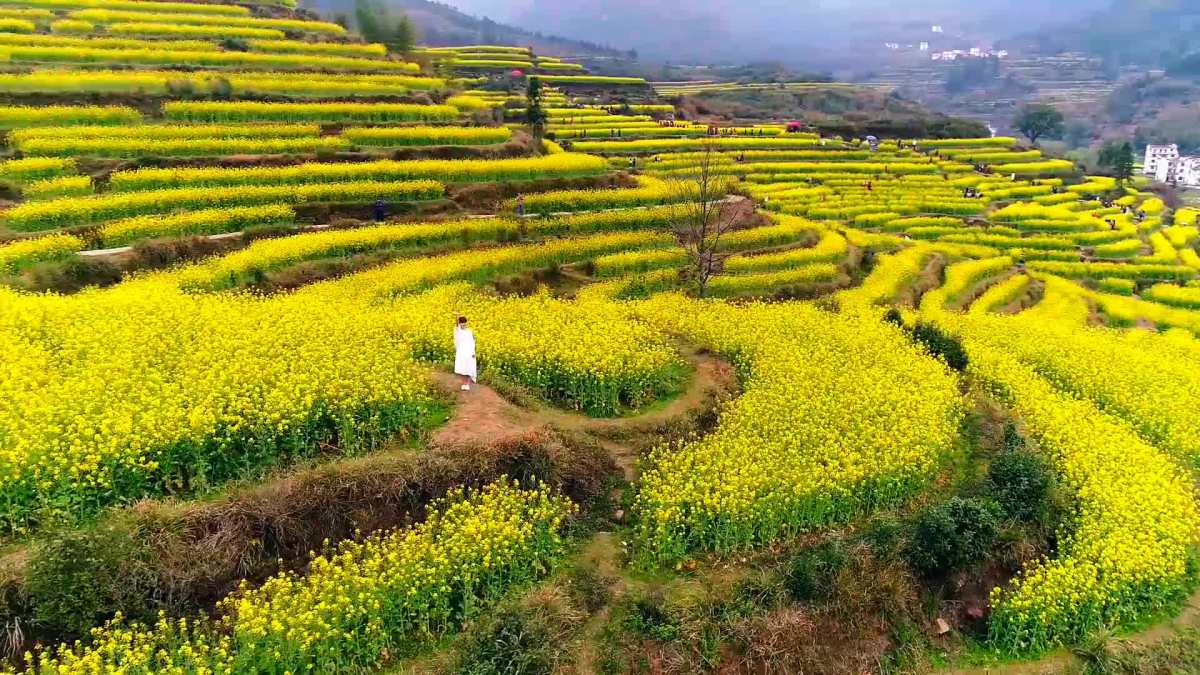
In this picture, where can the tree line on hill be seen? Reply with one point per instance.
(376, 23)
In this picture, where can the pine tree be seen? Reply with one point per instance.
(487, 31)
(404, 37)
(535, 114)
(368, 16)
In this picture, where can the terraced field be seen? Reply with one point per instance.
(237, 241)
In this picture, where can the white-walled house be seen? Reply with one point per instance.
(1159, 158)
(1181, 171)
(1166, 165)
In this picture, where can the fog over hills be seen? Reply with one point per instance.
(816, 33)
(838, 36)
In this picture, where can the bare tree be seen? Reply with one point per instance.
(700, 217)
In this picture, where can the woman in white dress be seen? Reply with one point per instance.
(464, 353)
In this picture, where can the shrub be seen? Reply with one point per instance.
(71, 275)
(76, 580)
(1020, 483)
(885, 536)
(1013, 441)
(166, 252)
(812, 574)
(527, 638)
(650, 617)
(952, 535)
(941, 345)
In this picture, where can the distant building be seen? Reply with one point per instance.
(1186, 172)
(924, 46)
(1180, 171)
(1166, 165)
(972, 53)
(1159, 156)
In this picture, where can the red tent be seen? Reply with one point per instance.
(517, 73)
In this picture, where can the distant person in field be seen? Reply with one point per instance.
(520, 206)
(464, 353)
(380, 210)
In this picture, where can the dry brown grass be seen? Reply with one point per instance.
(184, 556)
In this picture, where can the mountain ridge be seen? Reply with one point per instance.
(441, 24)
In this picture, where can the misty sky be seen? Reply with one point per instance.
(812, 30)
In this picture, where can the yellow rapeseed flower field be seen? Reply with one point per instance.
(383, 594)
(839, 415)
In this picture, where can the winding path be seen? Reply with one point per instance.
(482, 416)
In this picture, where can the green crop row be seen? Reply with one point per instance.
(566, 165)
(95, 42)
(651, 191)
(403, 136)
(250, 111)
(111, 16)
(201, 58)
(138, 5)
(35, 168)
(591, 79)
(1101, 270)
(207, 221)
(56, 213)
(12, 117)
(185, 30)
(63, 186)
(163, 131)
(179, 147)
(313, 85)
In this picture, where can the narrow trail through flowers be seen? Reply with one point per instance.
(482, 416)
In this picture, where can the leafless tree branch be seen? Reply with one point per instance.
(699, 219)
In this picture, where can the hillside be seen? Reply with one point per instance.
(830, 108)
(994, 89)
(441, 24)
(838, 35)
(1149, 33)
(1147, 109)
(322, 357)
